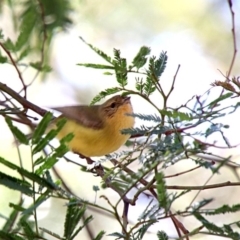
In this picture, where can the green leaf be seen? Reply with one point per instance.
(221, 98)
(60, 13)
(120, 65)
(24, 53)
(155, 69)
(160, 64)
(210, 226)
(99, 236)
(141, 58)
(108, 73)
(50, 233)
(85, 222)
(162, 235)
(27, 25)
(42, 198)
(224, 209)
(149, 86)
(177, 115)
(117, 234)
(104, 94)
(162, 191)
(8, 225)
(1, 35)
(9, 45)
(66, 139)
(96, 66)
(61, 150)
(73, 216)
(41, 127)
(95, 188)
(3, 59)
(32, 176)
(143, 229)
(48, 164)
(43, 142)
(15, 184)
(212, 129)
(17, 207)
(147, 117)
(21, 137)
(139, 85)
(40, 160)
(98, 51)
(28, 232)
(40, 67)
(202, 204)
(9, 236)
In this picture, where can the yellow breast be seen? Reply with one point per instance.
(98, 142)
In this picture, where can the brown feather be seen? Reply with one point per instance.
(87, 116)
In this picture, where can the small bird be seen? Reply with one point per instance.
(97, 128)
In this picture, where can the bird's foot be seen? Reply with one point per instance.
(95, 167)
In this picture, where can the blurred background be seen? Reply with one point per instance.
(196, 34)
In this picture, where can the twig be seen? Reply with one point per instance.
(204, 187)
(234, 39)
(173, 82)
(44, 31)
(125, 216)
(181, 173)
(17, 69)
(234, 46)
(22, 100)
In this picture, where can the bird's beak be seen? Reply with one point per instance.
(126, 99)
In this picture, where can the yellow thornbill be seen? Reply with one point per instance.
(97, 128)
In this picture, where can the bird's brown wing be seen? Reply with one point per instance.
(85, 115)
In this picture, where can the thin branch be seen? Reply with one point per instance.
(22, 100)
(181, 173)
(234, 38)
(125, 216)
(204, 187)
(173, 82)
(44, 30)
(16, 67)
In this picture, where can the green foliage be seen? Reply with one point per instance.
(161, 191)
(174, 134)
(9, 236)
(99, 236)
(165, 143)
(147, 117)
(15, 184)
(73, 216)
(11, 219)
(218, 100)
(35, 23)
(2, 58)
(42, 142)
(16, 132)
(104, 94)
(141, 58)
(46, 187)
(27, 229)
(179, 116)
(40, 67)
(41, 128)
(118, 64)
(224, 209)
(162, 235)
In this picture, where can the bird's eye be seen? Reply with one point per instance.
(113, 105)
